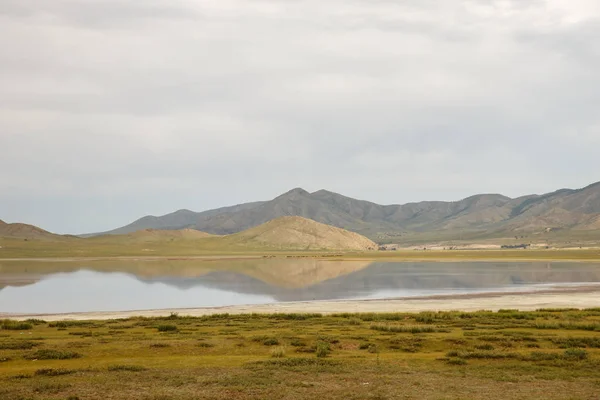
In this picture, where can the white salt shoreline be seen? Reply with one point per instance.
(584, 297)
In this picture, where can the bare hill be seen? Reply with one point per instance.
(297, 233)
(482, 215)
(25, 231)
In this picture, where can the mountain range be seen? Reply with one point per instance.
(482, 215)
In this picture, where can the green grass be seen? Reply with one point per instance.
(450, 355)
(15, 325)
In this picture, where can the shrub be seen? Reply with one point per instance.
(167, 328)
(293, 362)
(294, 316)
(70, 324)
(323, 349)
(53, 355)
(328, 339)
(576, 354)
(128, 368)
(35, 321)
(489, 355)
(457, 361)
(541, 356)
(373, 349)
(10, 325)
(21, 376)
(583, 342)
(271, 342)
(53, 372)
(82, 334)
(425, 317)
(406, 328)
(407, 344)
(18, 345)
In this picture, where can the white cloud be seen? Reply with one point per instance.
(128, 108)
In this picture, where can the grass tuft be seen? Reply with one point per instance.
(323, 349)
(53, 372)
(127, 368)
(167, 328)
(46, 354)
(11, 325)
(406, 328)
(278, 352)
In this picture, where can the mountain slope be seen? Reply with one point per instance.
(174, 221)
(25, 231)
(157, 234)
(483, 214)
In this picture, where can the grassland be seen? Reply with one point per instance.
(550, 354)
(113, 246)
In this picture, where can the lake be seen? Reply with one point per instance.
(57, 287)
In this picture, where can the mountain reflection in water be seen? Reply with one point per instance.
(35, 287)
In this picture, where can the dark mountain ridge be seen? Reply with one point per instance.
(574, 209)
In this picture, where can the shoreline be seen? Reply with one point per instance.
(560, 297)
(403, 256)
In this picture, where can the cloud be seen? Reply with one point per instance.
(111, 110)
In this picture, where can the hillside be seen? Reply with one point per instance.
(297, 233)
(180, 219)
(481, 215)
(157, 234)
(25, 231)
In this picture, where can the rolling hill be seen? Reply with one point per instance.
(482, 215)
(280, 234)
(297, 233)
(284, 233)
(25, 231)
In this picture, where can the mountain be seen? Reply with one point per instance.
(482, 215)
(284, 233)
(177, 220)
(24, 231)
(297, 233)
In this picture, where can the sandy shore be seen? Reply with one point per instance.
(579, 297)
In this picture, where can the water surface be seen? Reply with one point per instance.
(34, 287)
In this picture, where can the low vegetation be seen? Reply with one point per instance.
(550, 354)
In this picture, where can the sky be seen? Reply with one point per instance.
(112, 110)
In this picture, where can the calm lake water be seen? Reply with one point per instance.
(52, 287)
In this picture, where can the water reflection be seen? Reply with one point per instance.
(129, 285)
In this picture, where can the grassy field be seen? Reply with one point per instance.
(117, 247)
(550, 354)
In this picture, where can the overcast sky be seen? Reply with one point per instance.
(114, 109)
